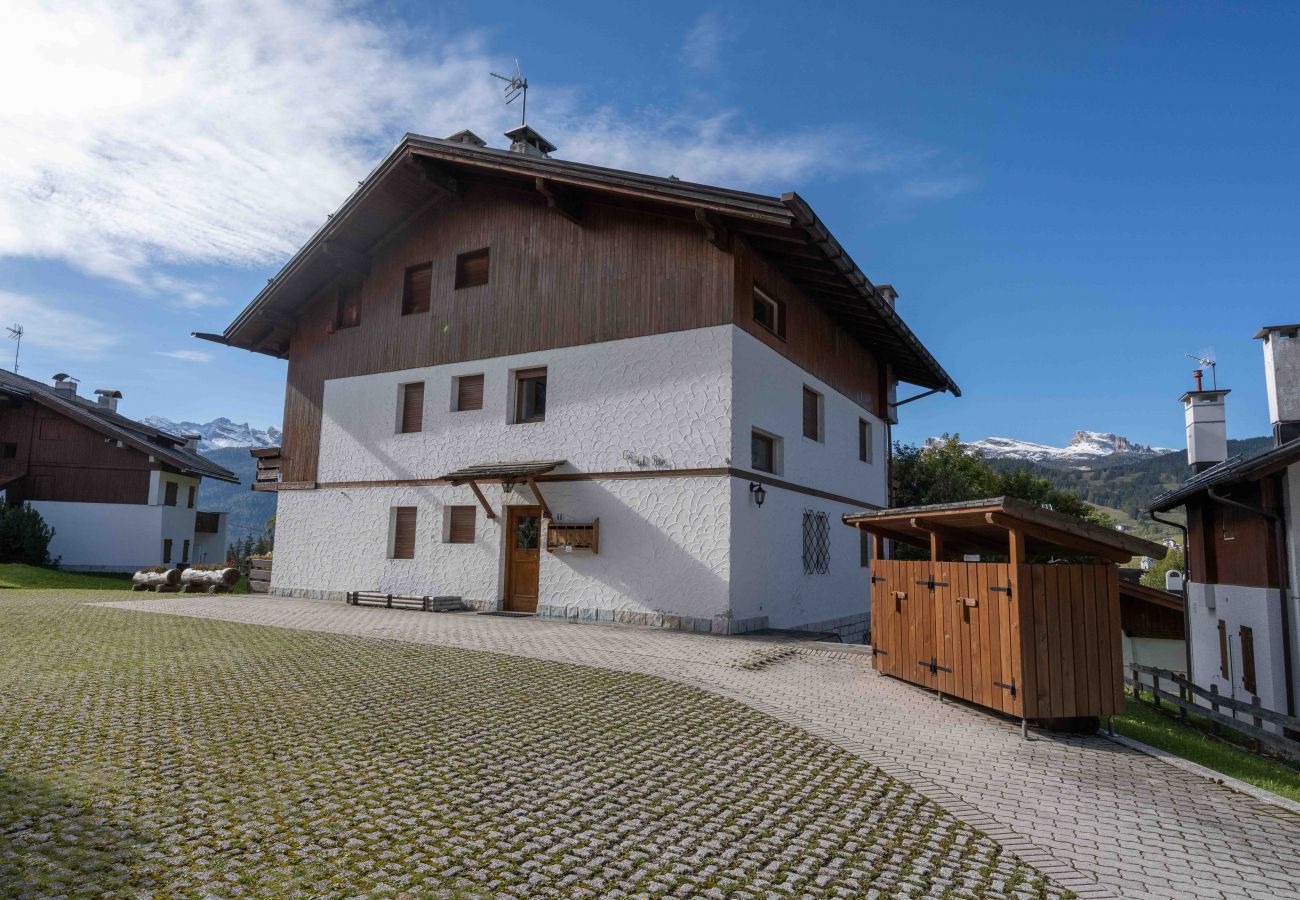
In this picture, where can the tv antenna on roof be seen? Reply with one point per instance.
(515, 88)
(1208, 361)
(16, 335)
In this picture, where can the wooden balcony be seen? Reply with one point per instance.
(268, 467)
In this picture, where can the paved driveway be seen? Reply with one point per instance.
(1097, 817)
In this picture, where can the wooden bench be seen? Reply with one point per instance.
(400, 601)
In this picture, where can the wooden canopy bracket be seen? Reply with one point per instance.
(1055, 536)
(715, 232)
(563, 200)
(473, 486)
(546, 510)
(937, 535)
(346, 259)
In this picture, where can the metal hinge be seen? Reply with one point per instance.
(933, 665)
(877, 650)
(932, 584)
(1004, 590)
(1007, 687)
(876, 579)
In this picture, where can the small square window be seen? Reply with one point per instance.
(402, 531)
(763, 452)
(769, 312)
(170, 491)
(416, 289)
(349, 306)
(472, 268)
(167, 551)
(8, 450)
(530, 395)
(460, 524)
(469, 393)
(865, 436)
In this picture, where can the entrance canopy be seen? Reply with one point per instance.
(1002, 525)
(495, 473)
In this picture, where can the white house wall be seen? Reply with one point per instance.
(105, 537)
(655, 402)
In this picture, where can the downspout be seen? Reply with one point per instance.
(1187, 569)
(1284, 581)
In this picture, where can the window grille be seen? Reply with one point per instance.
(816, 542)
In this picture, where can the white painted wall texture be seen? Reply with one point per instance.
(683, 552)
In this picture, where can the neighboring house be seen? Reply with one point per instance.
(119, 494)
(1243, 540)
(597, 395)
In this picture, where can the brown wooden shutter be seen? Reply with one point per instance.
(167, 550)
(412, 407)
(472, 268)
(193, 493)
(1248, 658)
(417, 289)
(810, 429)
(460, 528)
(1223, 648)
(864, 440)
(469, 392)
(169, 493)
(185, 551)
(404, 533)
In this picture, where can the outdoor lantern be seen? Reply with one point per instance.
(507, 487)
(757, 490)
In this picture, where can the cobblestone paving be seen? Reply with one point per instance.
(163, 755)
(1097, 817)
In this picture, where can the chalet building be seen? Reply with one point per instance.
(586, 393)
(119, 494)
(1243, 539)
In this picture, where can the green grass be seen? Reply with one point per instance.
(17, 575)
(1142, 723)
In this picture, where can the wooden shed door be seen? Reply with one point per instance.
(523, 557)
(891, 602)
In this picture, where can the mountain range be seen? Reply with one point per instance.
(220, 433)
(1086, 450)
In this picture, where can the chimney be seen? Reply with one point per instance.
(192, 442)
(467, 137)
(1282, 376)
(108, 399)
(65, 385)
(1207, 427)
(528, 142)
(887, 291)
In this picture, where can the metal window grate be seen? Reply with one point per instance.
(816, 542)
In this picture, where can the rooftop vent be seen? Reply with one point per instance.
(467, 137)
(192, 441)
(108, 398)
(1282, 376)
(65, 385)
(528, 142)
(887, 291)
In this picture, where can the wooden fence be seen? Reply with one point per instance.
(1255, 715)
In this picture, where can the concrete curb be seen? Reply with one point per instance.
(1259, 793)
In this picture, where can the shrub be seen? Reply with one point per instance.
(24, 536)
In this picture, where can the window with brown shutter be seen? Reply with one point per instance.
(460, 524)
(812, 414)
(193, 494)
(349, 306)
(472, 269)
(864, 440)
(469, 393)
(1223, 648)
(404, 532)
(1247, 635)
(417, 288)
(412, 419)
(169, 493)
(167, 550)
(185, 551)
(530, 395)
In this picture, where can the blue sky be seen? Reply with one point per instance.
(1067, 199)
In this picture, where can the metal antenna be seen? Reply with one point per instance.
(515, 88)
(1211, 364)
(16, 335)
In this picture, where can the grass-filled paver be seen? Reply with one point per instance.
(154, 755)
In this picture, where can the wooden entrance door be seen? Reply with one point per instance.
(523, 556)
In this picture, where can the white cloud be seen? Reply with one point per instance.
(50, 328)
(186, 355)
(150, 134)
(702, 48)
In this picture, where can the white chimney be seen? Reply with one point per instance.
(192, 441)
(65, 385)
(1282, 376)
(108, 399)
(528, 142)
(1207, 427)
(887, 291)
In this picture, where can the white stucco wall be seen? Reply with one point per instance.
(663, 548)
(113, 537)
(656, 402)
(1159, 653)
(211, 547)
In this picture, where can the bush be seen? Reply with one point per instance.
(24, 536)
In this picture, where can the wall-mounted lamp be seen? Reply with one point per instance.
(759, 493)
(507, 487)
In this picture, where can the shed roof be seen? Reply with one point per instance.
(982, 526)
(422, 170)
(502, 471)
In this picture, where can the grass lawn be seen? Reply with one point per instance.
(1144, 724)
(17, 575)
(176, 756)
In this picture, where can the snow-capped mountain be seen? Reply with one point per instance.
(219, 433)
(1087, 449)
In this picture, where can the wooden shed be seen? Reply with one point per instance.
(1021, 631)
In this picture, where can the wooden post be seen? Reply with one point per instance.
(1254, 701)
(1214, 726)
(877, 547)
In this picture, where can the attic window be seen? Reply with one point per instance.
(472, 268)
(349, 306)
(8, 450)
(769, 313)
(416, 289)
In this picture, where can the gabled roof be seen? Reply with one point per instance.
(1229, 472)
(422, 170)
(168, 448)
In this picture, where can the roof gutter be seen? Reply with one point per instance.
(1284, 579)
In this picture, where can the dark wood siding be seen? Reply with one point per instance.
(73, 463)
(404, 532)
(1233, 546)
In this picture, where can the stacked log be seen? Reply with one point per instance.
(213, 581)
(166, 581)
